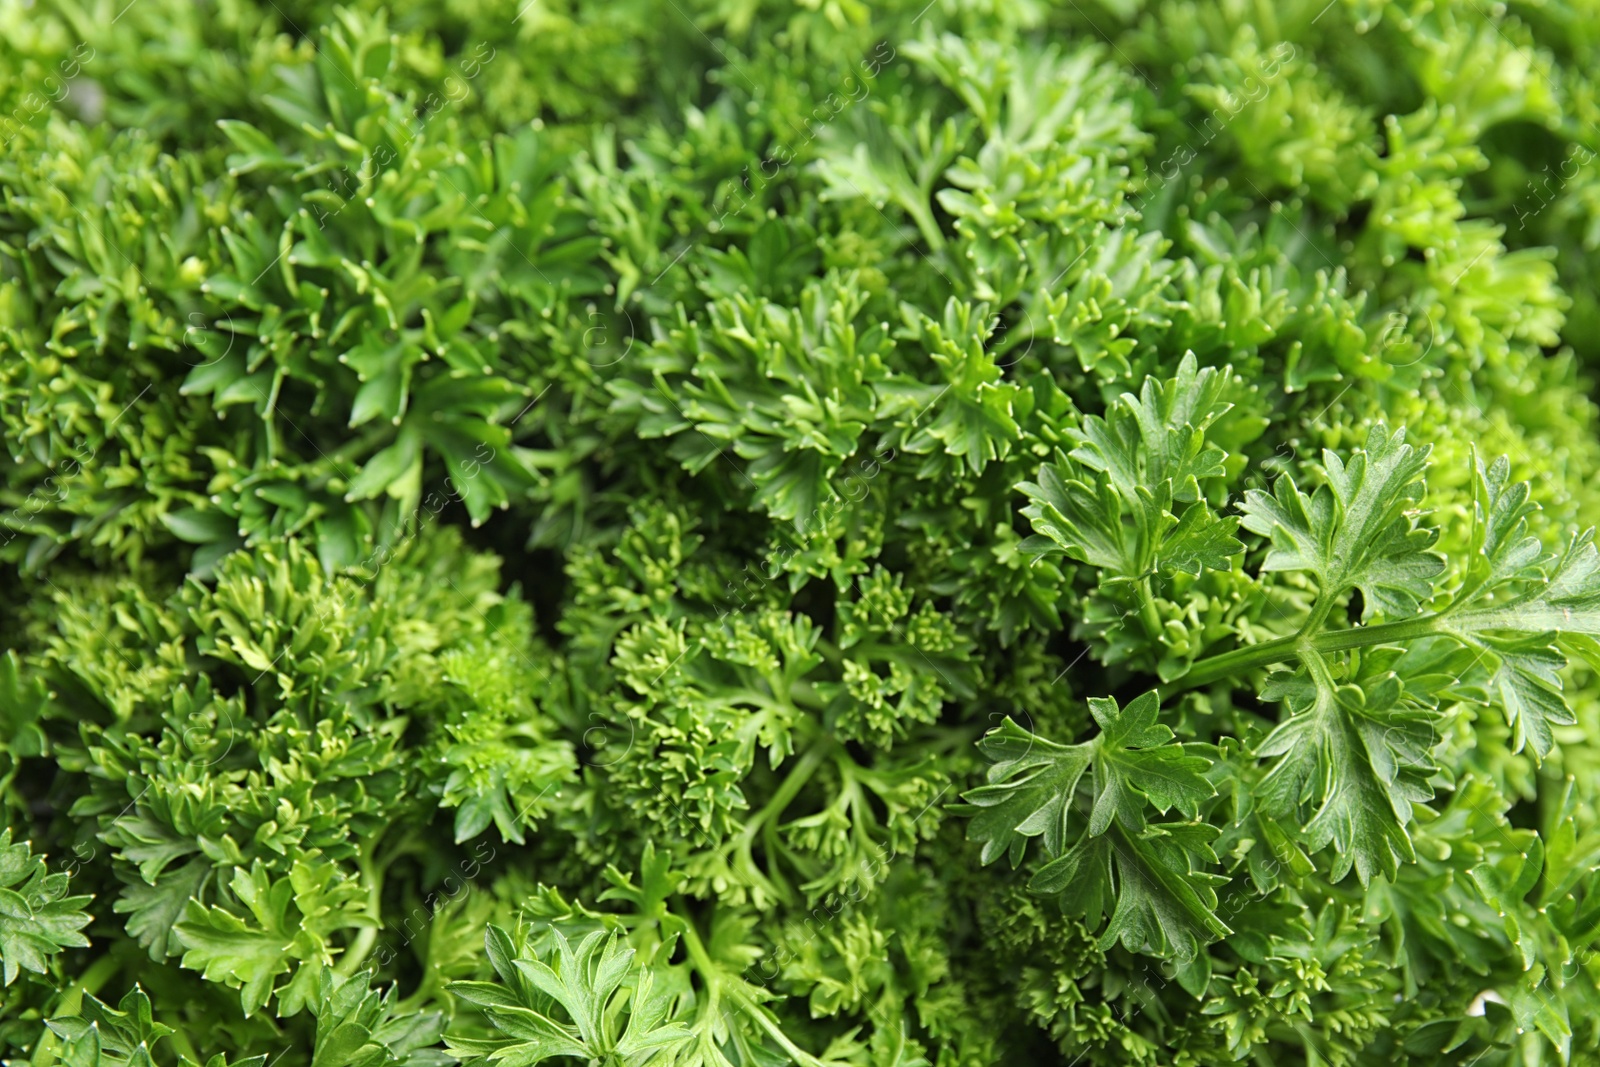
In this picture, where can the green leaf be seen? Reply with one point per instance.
(973, 416)
(1565, 598)
(200, 527)
(256, 149)
(246, 956)
(1114, 502)
(290, 922)
(1164, 901)
(1357, 759)
(1502, 548)
(602, 989)
(388, 467)
(154, 911)
(123, 1035)
(1201, 541)
(1086, 522)
(1032, 785)
(23, 698)
(37, 918)
(1135, 760)
(357, 1026)
(1528, 683)
(1520, 608)
(1358, 530)
(1158, 438)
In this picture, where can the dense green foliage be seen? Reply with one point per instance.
(856, 533)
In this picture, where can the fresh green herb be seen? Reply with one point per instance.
(585, 533)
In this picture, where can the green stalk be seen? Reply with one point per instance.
(698, 955)
(183, 1046)
(372, 875)
(1147, 610)
(766, 820)
(1320, 610)
(792, 784)
(1387, 633)
(701, 960)
(1278, 650)
(97, 975)
(357, 953)
(424, 990)
(1224, 664)
(923, 217)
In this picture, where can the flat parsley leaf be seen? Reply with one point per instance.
(1523, 609)
(37, 918)
(1099, 842)
(1358, 530)
(1358, 757)
(1114, 501)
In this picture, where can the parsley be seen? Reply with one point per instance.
(730, 533)
(1161, 899)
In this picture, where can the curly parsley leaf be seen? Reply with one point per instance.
(604, 997)
(601, 987)
(102, 1035)
(359, 1026)
(1165, 901)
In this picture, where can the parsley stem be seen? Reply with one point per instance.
(1214, 668)
(699, 959)
(187, 1053)
(1318, 617)
(765, 821)
(1384, 633)
(720, 985)
(372, 870)
(1147, 610)
(796, 780)
(97, 974)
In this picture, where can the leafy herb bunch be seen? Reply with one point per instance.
(848, 533)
